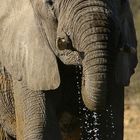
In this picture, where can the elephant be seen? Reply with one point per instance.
(43, 43)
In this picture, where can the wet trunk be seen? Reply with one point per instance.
(95, 76)
(92, 36)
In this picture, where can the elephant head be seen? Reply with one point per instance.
(79, 32)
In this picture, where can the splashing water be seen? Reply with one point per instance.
(88, 120)
(78, 78)
(110, 122)
(91, 123)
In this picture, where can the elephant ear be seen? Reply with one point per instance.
(129, 33)
(25, 52)
(128, 24)
(127, 57)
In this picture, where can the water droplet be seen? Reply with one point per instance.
(77, 82)
(84, 109)
(80, 67)
(107, 110)
(89, 131)
(114, 133)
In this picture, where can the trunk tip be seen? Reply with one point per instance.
(93, 104)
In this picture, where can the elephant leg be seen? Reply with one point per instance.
(7, 110)
(4, 135)
(52, 128)
(8, 137)
(34, 117)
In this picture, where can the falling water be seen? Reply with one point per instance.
(93, 125)
(110, 122)
(78, 79)
(89, 121)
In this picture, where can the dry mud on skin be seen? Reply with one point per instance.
(132, 122)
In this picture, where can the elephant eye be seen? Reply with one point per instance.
(50, 2)
(64, 43)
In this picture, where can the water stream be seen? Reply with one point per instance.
(93, 125)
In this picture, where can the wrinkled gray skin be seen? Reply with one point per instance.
(78, 32)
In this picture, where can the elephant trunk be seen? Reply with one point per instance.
(92, 35)
(95, 79)
(89, 26)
